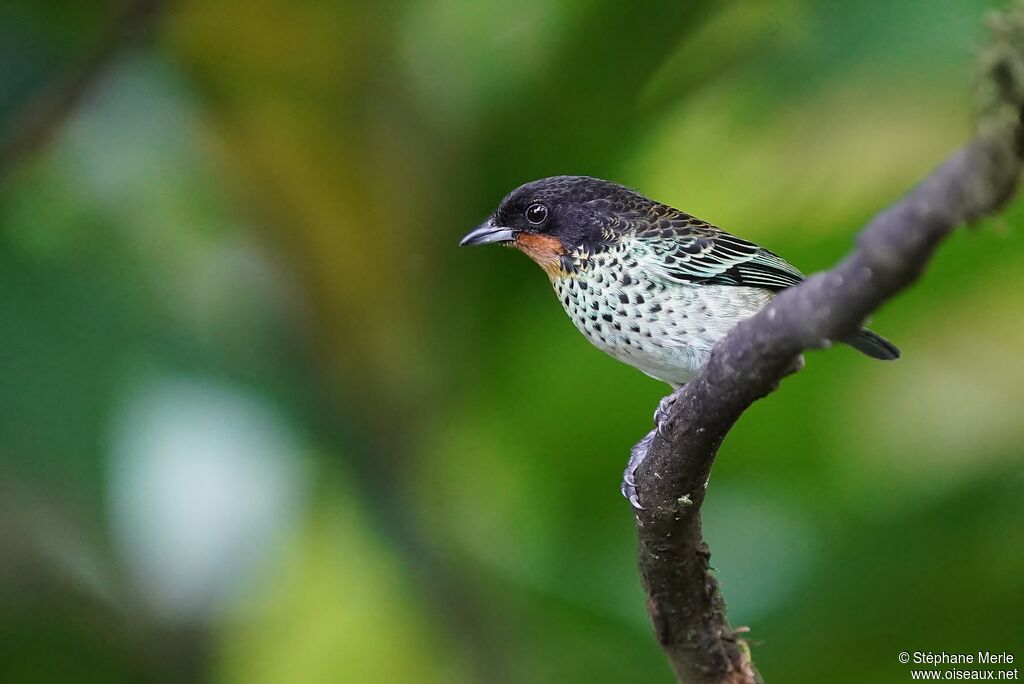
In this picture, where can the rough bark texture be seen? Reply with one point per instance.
(892, 251)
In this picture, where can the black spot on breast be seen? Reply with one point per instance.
(655, 308)
(607, 317)
(639, 299)
(624, 298)
(626, 280)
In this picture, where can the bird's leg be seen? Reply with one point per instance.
(664, 406)
(639, 452)
(636, 457)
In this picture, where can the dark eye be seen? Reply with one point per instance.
(536, 213)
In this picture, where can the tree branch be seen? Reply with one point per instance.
(685, 604)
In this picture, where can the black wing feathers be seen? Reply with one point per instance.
(686, 249)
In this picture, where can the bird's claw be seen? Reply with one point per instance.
(636, 457)
(629, 479)
(628, 490)
(639, 452)
(628, 487)
(664, 408)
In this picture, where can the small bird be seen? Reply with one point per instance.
(650, 285)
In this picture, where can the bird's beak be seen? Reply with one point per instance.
(487, 233)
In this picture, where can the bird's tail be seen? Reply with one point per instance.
(875, 346)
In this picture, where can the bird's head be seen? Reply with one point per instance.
(555, 220)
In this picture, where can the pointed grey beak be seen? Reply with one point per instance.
(487, 233)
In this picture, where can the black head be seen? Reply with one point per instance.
(559, 215)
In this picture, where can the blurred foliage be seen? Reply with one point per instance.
(262, 421)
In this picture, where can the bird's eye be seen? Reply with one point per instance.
(536, 213)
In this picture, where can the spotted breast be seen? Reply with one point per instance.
(665, 329)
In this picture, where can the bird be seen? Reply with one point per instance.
(648, 284)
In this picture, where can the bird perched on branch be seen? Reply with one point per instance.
(652, 286)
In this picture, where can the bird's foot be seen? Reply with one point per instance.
(636, 457)
(664, 407)
(639, 452)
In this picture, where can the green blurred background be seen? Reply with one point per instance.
(263, 422)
